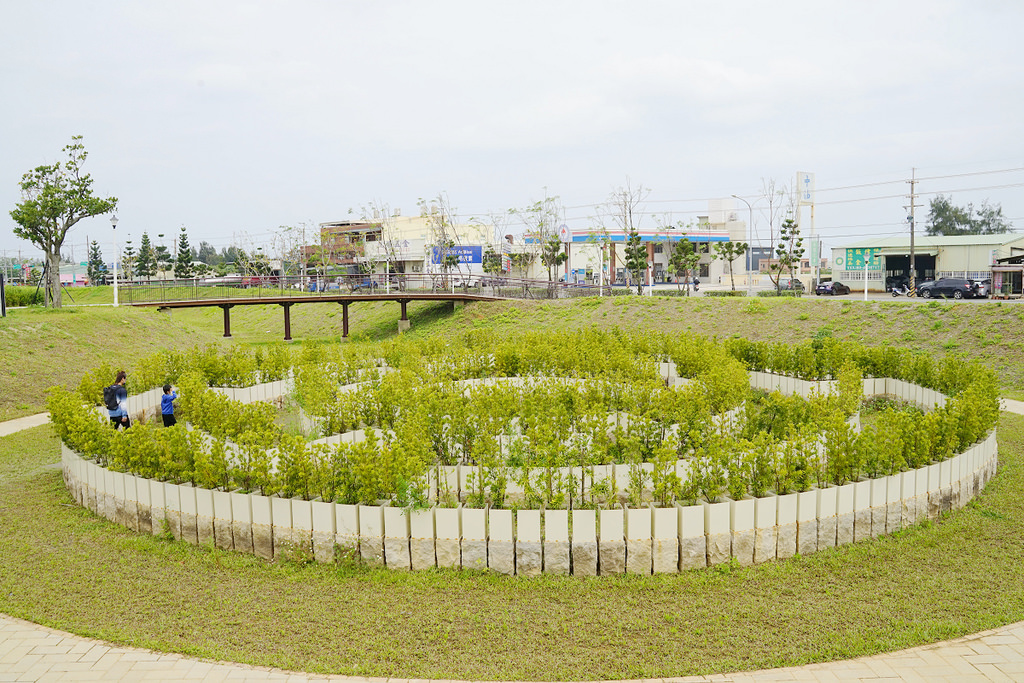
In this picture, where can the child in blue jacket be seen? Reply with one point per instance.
(167, 406)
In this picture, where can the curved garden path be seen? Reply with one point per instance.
(29, 652)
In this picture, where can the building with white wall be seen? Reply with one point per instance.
(888, 258)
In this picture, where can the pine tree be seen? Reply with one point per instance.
(788, 251)
(128, 261)
(183, 266)
(145, 264)
(96, 265)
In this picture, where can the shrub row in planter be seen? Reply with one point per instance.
(578, 541)
(527, 542)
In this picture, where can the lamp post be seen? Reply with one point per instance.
(867, 260)
(750, 252)
(113, 224)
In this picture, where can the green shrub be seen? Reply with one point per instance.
(23, 296)
(418, 416)
(785, 292)
(725, 292)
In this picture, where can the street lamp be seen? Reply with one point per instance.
(750, 252)
(113, 224)
(868, 260)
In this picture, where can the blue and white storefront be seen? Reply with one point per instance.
(595, 256)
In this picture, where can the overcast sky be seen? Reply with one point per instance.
(236, 118)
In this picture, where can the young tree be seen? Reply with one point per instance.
(96, 265)
(183, 266)
(788, 251)
(636, 259)
(162, 254)
(683, 260)
(128, 261)
(54, 199)
(389, 246)
(145, 264)
(441, 219)
(944, 218)
(492, 262)
(540, 222)
(552, 255)
(779, 198)
(623, 210)
(728, 252)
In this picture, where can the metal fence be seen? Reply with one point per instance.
(257, 287)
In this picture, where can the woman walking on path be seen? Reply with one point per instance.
(119, 416)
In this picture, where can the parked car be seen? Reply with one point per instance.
(831, 289)
(956, 287)
(791, 284)
(982, 288)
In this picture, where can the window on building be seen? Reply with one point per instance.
(659, 248)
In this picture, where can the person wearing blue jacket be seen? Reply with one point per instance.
(167, 406)
(119, 416)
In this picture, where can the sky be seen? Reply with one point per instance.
(233, 119)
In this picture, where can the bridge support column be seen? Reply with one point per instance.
(287, 321)
(227, 320)
(344, 320)
(404, 323)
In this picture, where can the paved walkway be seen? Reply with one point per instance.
(33, 653)
(12, 426)
(29, 652)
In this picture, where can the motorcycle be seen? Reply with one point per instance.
(902, 290)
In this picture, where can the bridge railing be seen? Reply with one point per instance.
(309, 286)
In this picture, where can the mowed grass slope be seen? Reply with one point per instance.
(40, 348)
(63, 567)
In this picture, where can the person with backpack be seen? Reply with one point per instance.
(115, 398)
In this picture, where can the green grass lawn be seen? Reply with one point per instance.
(63, 567)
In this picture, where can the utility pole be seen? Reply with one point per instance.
(913, 269)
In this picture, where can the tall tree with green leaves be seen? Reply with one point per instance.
(945, 218)
(636, 259)
(145, 264)
(183, 269)
(728, 252)
(96, 265)
(54, 198)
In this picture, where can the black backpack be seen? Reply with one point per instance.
(110, 397)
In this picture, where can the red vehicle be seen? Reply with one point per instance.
(261, 281)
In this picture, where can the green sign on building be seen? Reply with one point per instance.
(855, 259)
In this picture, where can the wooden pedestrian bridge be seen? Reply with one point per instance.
(228, 292)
